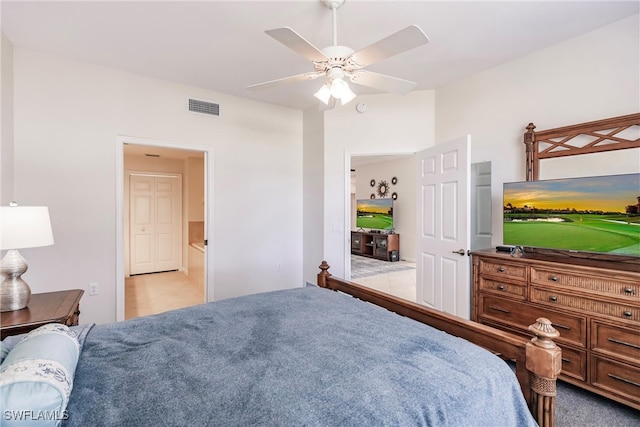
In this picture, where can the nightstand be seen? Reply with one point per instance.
(49, 307)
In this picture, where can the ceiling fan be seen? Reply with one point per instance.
(339, 62)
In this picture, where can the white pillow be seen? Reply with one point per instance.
(36, 377)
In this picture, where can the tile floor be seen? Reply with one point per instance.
(154, 293)
(400, 283)
(148, 294)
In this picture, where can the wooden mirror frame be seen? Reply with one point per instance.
(558, 141)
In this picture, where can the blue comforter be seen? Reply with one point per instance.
(301, 357)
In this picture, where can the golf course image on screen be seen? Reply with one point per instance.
(592, 214)
(374, 214)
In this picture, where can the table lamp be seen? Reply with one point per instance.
(20, 227)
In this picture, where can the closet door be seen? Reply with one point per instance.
(155, 223)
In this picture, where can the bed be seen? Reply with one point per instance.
(305, 356)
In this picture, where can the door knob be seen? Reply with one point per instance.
(459, 252)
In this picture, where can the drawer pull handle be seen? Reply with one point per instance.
(613, 340)
(553, 298)
(553, 278)
(501, 270)
(627, 314)
(501, 287)
(502, 310)
(628, 291)
(615, 377)
(555, 325)
(565, 360)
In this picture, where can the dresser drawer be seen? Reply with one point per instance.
(617, 341)
(572, 329)
(628, 288)
(574, 363)
(517, 289)
(558, 299)
(496, 268)
(616, 377)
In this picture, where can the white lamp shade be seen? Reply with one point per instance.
(347, 96)
(25, 227)
(339, 88)
(324, 94)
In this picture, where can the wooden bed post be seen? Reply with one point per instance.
(544, 362)
(322, 276)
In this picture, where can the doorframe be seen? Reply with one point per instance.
(209, 266)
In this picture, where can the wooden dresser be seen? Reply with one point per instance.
(595, 305)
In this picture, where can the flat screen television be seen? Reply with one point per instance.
(375, 214)
(599, 214)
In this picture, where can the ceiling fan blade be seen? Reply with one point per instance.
(402, 41)
(286, 80)
(383, 82)
(296, 42)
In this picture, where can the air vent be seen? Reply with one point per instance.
(204, 107)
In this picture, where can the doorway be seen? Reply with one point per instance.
(386, 167)
(163, 260)
(389, 178)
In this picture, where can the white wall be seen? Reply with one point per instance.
(590, 77)
(404, 207)
(313, 193)
(391, 125)
(6, 120)
(67, 118)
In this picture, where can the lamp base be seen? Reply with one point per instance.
(14, 292)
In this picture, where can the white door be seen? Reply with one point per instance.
(442, 262)
(480, 194)
(155, 223)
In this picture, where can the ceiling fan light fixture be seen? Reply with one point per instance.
(336, 62)
(348, 96)
(339, 88)
(324, 94)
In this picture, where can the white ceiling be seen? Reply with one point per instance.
(221, 45)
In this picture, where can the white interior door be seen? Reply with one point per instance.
(481, 231)
(155, 223)
(442, 262)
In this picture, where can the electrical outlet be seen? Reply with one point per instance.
(278, 266)
(94, 289)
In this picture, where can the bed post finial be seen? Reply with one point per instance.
(322, 276)
(544, 362)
